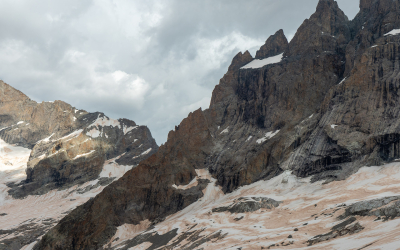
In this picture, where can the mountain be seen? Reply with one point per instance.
(298, 149)
(54, 157)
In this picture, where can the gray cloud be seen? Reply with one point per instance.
(150, 61)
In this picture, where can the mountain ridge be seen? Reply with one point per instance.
(67, 151)
(325, 110)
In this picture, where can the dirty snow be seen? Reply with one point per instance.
(113, 169)
(257, 63)
(36, 209)
(313, 208)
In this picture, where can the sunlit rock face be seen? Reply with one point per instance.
(284, 145)
(53, 158)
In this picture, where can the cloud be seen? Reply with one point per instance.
(150, 61)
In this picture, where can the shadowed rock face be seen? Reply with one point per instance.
(330, 106)
(69, 146)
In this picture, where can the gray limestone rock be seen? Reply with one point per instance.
(248, 204)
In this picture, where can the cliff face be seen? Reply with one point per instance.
(328, 106)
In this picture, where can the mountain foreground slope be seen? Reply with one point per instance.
(298, 149)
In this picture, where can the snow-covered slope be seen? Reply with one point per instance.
(308, 210)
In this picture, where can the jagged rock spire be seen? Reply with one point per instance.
(240, 60)
(325, 29)
(274, 45)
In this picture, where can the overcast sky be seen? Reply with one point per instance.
(150, 61)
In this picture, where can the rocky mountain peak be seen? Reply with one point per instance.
(274, 45)
(240, 60)
(329, 16)
(366, 4)
(8, 93)
(326, 30)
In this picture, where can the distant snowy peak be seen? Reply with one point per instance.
(96, 129)
(257, 63)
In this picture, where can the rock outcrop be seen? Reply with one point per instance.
(244, 205)
(327, 108)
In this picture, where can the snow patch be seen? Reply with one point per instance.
(79, 156)
(225, 130)
(94, 133)
(111, 169)
(248, 139)
(267, 136)
(257, 63)
(20, 122)
(333, 126)
(342, 80)
(47, 139)
(105, 121)
(144, 153)
(129, 129)
(393, 32)
(73, 134)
